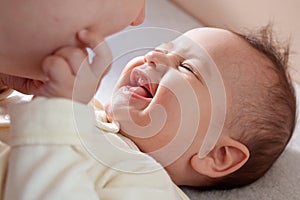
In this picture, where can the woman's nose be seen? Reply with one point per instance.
(140, 18)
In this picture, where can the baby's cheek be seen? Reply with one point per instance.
(167, 99)
(170, 103)
(108, 111)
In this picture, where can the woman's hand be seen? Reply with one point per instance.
(23, 85)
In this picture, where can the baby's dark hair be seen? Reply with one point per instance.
(266, 125)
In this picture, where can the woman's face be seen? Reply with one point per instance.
(32, 30)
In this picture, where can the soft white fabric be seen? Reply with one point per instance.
(48, 161)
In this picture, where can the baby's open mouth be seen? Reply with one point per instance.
(140, 84)
(142, 91)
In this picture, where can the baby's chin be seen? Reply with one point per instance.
(108, 112)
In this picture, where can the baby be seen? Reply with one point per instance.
(200, 138)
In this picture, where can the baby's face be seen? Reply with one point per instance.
(164, 100)
(162, 96)
(31, 30)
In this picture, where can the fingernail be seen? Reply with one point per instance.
(46, 79)
(82, 33)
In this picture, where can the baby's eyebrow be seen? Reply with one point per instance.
(167, 46)
(170, 47)
(161, 50)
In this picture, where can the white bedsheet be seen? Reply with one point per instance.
(281, 182)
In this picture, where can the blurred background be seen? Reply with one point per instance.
(240, 15)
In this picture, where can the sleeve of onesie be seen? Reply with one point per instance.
(47, 160)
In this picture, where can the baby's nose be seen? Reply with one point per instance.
(155, 58)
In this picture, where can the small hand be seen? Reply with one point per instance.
(69, 73)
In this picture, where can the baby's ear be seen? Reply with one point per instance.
(227, 157)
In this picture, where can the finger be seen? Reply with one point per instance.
(31, 86)
(23, 85)
(60, 78)
(103, 57)
(74, 57)
(89, 38)
(96, 42)
(57, 69)
(85, 84)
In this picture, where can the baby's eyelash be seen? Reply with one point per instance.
(187, 68)
(191, 69)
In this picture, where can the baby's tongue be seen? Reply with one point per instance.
(139, 91)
